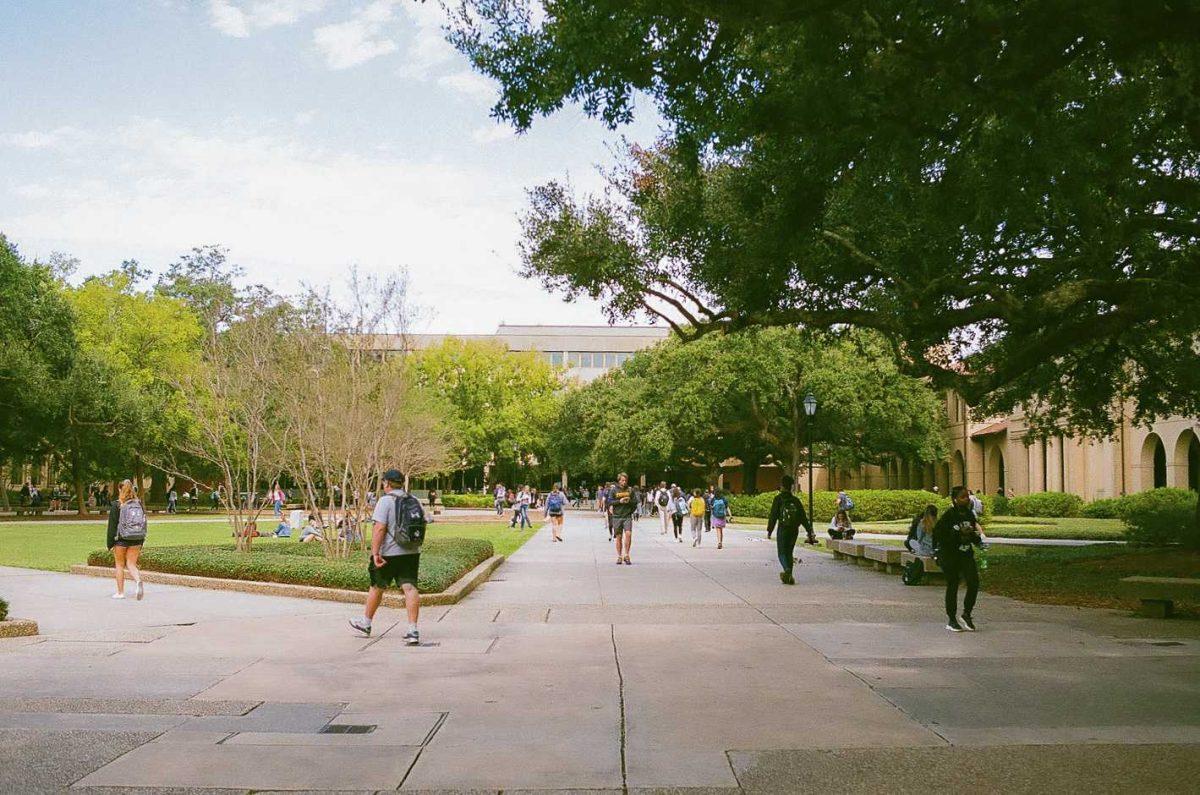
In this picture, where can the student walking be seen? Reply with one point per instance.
(708, 498)
(662, 503)
(720, 516)
(697, 511)
(954, 537)
(521, 503)
(172, 501)
(679, 509)
(126, 534)
(395, 554)
(556, 502)
(622, 503)
(277, 500)
(787, 516)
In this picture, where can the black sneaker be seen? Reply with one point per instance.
(954, 626)
(968, 624)
(412, 638)
(786, 578)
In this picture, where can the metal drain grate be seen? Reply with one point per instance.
(348, 728)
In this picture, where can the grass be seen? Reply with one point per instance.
(1078, 529)
(56, 546)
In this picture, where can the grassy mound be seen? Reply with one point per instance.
(443, 561)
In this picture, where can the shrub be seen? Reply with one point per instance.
(467, 500)
(443, 561)
(1161, 517)
(999, 505)
(1107, 508)
(3, 610)
(1045, 503)
(870, 505)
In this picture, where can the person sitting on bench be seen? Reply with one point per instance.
(920, 532)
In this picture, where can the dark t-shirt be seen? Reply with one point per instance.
(948, 538)
(623, 500)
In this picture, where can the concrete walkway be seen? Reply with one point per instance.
(693, 668)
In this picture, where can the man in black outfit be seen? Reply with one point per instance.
(954, 535)
(787, 513)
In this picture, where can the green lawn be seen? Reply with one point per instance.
(57, 545)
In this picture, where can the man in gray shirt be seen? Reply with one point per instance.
(391, 561)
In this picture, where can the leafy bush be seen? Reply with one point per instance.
(443, 561)
(998, 505)
(467, 500)
(3, 610)
(1046, 503)
(870, 505)
(1160, 517)
(1107, 508)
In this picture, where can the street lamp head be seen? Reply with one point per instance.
(810, 405)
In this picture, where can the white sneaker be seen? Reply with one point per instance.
(118, 596)
(141, 590)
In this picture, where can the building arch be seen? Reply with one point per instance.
(958, 469)
(995, 472)
(1153, 463)
(1186, 460)
(944, 477)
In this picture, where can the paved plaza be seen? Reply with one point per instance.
(693, 668)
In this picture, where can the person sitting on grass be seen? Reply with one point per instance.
(840, 526)
(312, 532)
(283, 529)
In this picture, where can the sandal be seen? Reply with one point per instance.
(628, 562)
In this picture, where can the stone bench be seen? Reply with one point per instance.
(1159, 594)
(884, 558)
(853, 550)
(929, 563)
(26, 511)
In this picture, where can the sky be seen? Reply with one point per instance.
(305, 136)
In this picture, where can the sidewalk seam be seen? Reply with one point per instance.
(621, 699)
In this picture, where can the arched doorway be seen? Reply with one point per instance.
(995, 472)
(1153, 464)
(958, 467)
(1187, 461)
(944, 477)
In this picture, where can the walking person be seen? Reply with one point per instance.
(720, 516)
(172, 500)
(787, 516)
(622, 503)
(679, 509)
(499, 498)
(277, 500)
(697, 510)
(954, 537)
(395, 559)
(556, 503)
(126, 534)
(662, 503)
(602, 507)
(708, 498)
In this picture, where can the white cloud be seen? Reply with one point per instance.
(470, 84)
(358, 39)
(493, 133)
(60, 138)
(240, 18)
(427, 49)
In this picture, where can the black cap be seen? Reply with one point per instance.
(394, 476)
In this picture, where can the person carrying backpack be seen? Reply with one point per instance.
(679, 509)
(697, 509)
(720, 516)
(395, 553)
(662, 504)
(954, 537)
(556, 501)
(126, 534)
(787, 516)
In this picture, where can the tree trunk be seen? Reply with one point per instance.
(77, 478)
(4, 487)
(139, 474)
(750, 476)
(158, 487)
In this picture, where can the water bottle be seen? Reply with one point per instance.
(983, 558)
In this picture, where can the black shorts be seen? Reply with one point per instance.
(398, 569)
(622, 524)
(123, 543)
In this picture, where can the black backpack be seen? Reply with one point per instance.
(664, 499)
(790, 512)
(914, 572)
(410, 521)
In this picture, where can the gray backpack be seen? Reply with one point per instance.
(131, 526)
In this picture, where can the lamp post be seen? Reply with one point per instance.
(810, 411)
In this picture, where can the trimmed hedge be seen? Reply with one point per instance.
(467, 500)
(1161, 517)
(1046, 503)
(443, 562)
(1106, 508)
(3, 610)
(870, 505)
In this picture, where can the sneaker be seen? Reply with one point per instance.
(968, 624)
(786, 578)
(720, 546)
(628, 562)
(141, 590)
(361, 625)
(954, 626)
(412, 638)
(118, 596)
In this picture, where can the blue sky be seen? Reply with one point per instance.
(306, 136)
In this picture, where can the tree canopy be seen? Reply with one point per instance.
(1008, 191)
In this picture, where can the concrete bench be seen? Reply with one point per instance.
(26, 511)
(854, 551)
(832, 545)
(930, 564)
(1159, 594)
(885, 558)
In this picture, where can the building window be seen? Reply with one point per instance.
(585, 359)
(610, 360)
(556, 358)
(573, 359)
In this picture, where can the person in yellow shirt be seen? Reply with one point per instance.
(696, 509)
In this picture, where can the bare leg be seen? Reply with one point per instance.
(617, 536)
(131, 559)
(628, 542)
(374, 597)
(720, 535)
(119, 562)
(412, 601)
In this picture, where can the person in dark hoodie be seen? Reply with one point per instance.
(954, 537)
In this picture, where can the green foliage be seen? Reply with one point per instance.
(870, 505)
(999, 505)
(1107, 508)
(1046, 503)
(467, 500)
(931, 170)
(1160, 517)
(3, 610)
(443, 561)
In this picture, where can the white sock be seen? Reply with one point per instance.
(412, 627)
(366, 621)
